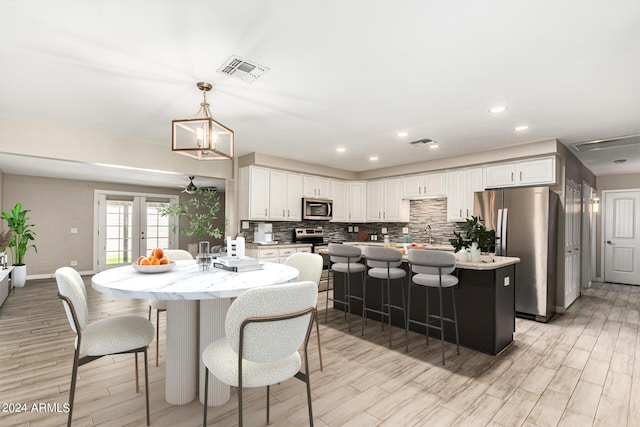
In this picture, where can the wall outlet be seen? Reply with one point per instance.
(74, 230)
(245, 225)
(355, 229)
(384, 230)
(73, 263)
(350, 229)
(506, 281)
(405, 230)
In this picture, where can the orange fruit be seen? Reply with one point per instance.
(153, 260)
(140, 260)
(158, 253)
(145, 261)
(164, 260)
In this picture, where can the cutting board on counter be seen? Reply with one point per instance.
(362, 236)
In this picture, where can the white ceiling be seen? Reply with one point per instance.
(342, 73)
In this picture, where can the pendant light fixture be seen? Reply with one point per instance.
(201, 137)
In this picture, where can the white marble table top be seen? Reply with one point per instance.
(188, 282)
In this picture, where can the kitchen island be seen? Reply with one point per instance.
(485, 302)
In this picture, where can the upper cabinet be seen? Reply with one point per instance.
(268, 194)
(424, 186)
(340, 201)
(525, 172)
(385, 203)
(461, 184)
(316, 186)
(349, 201)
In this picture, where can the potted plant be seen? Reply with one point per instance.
(23, 235)
(460, 246)
(477, 238)
(200, 210)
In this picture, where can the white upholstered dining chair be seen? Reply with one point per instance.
(161, 305)
(114, 335)
(309, 267)
(264, 329)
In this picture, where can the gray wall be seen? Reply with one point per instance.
(56, 206)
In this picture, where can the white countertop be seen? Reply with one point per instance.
(277, 245)
(188, 282)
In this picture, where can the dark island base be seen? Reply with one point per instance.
(484, 303)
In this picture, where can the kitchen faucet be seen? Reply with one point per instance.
(429, 237)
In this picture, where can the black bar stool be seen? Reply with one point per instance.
(344, 259)
(384, 263)
(432, 270)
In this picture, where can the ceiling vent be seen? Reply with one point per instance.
(422, 142)
(242, 69)
(603, 144)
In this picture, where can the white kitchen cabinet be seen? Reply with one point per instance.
(424, 186)
(357, 196)
(294, 197)
(385, 203)
(461, 184)
(254, 184)
(340, 201)
(269, 194)
(525, 172)
(275, 253)
(316, 186)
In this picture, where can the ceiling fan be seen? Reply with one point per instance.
(191, 188)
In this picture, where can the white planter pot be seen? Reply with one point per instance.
(462, 255)
(19, 276)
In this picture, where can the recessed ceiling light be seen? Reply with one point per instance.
(521, 128)
(498, 109)
(433, 146)
(373, 158)
(341, 149)
(619, 161)
(402, 134)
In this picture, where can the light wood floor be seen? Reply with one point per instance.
(581, 369)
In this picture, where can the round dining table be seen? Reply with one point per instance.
(197, 304)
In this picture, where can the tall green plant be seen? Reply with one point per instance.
(23, 233)
(201, 210)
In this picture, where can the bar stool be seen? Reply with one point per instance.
(432, 270)
(384, 263)
(344, 259)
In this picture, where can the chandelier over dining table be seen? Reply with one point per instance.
(201, 137)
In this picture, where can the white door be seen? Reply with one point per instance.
(622, 237)
(571, 243)
(131, 226)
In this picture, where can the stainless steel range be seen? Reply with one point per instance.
(315, 236)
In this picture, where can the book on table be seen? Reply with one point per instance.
(238, 264)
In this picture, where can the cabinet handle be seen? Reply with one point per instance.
(265, 211)
(467, 212)
(520, 175)
(425, 189)
(349, 215)
(288, 213)
(384, 215)
(379, 215)
(460, 213)
(283, 215)
(511, 176)
(420, 190)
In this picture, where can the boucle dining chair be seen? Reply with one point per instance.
(264, 329)
(309, 267)
(114, 335)
(161, 305)
(433, 270)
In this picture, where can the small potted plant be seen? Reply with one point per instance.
(476, 238)
(460, 246)
(23, 235)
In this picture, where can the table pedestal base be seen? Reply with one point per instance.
(213, 313)
(182, 351)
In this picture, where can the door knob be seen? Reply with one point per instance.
(609, 242)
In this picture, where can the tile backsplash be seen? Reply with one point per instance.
(432, 212)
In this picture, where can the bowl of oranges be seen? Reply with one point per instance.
(157, 262)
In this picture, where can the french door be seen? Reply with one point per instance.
(622, 237)
(129, 226)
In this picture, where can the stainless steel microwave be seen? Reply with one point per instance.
(317, 209)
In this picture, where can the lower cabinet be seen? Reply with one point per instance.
(275, 253)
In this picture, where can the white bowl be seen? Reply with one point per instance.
(150, 269)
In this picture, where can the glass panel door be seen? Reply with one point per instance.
(131, 226)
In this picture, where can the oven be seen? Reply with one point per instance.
(315, 236)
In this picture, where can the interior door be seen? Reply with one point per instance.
(622, 237)
(571, 243)
(130, 226)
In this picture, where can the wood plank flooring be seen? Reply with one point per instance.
(581, 369)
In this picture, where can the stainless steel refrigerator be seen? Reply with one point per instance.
(525, 220)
